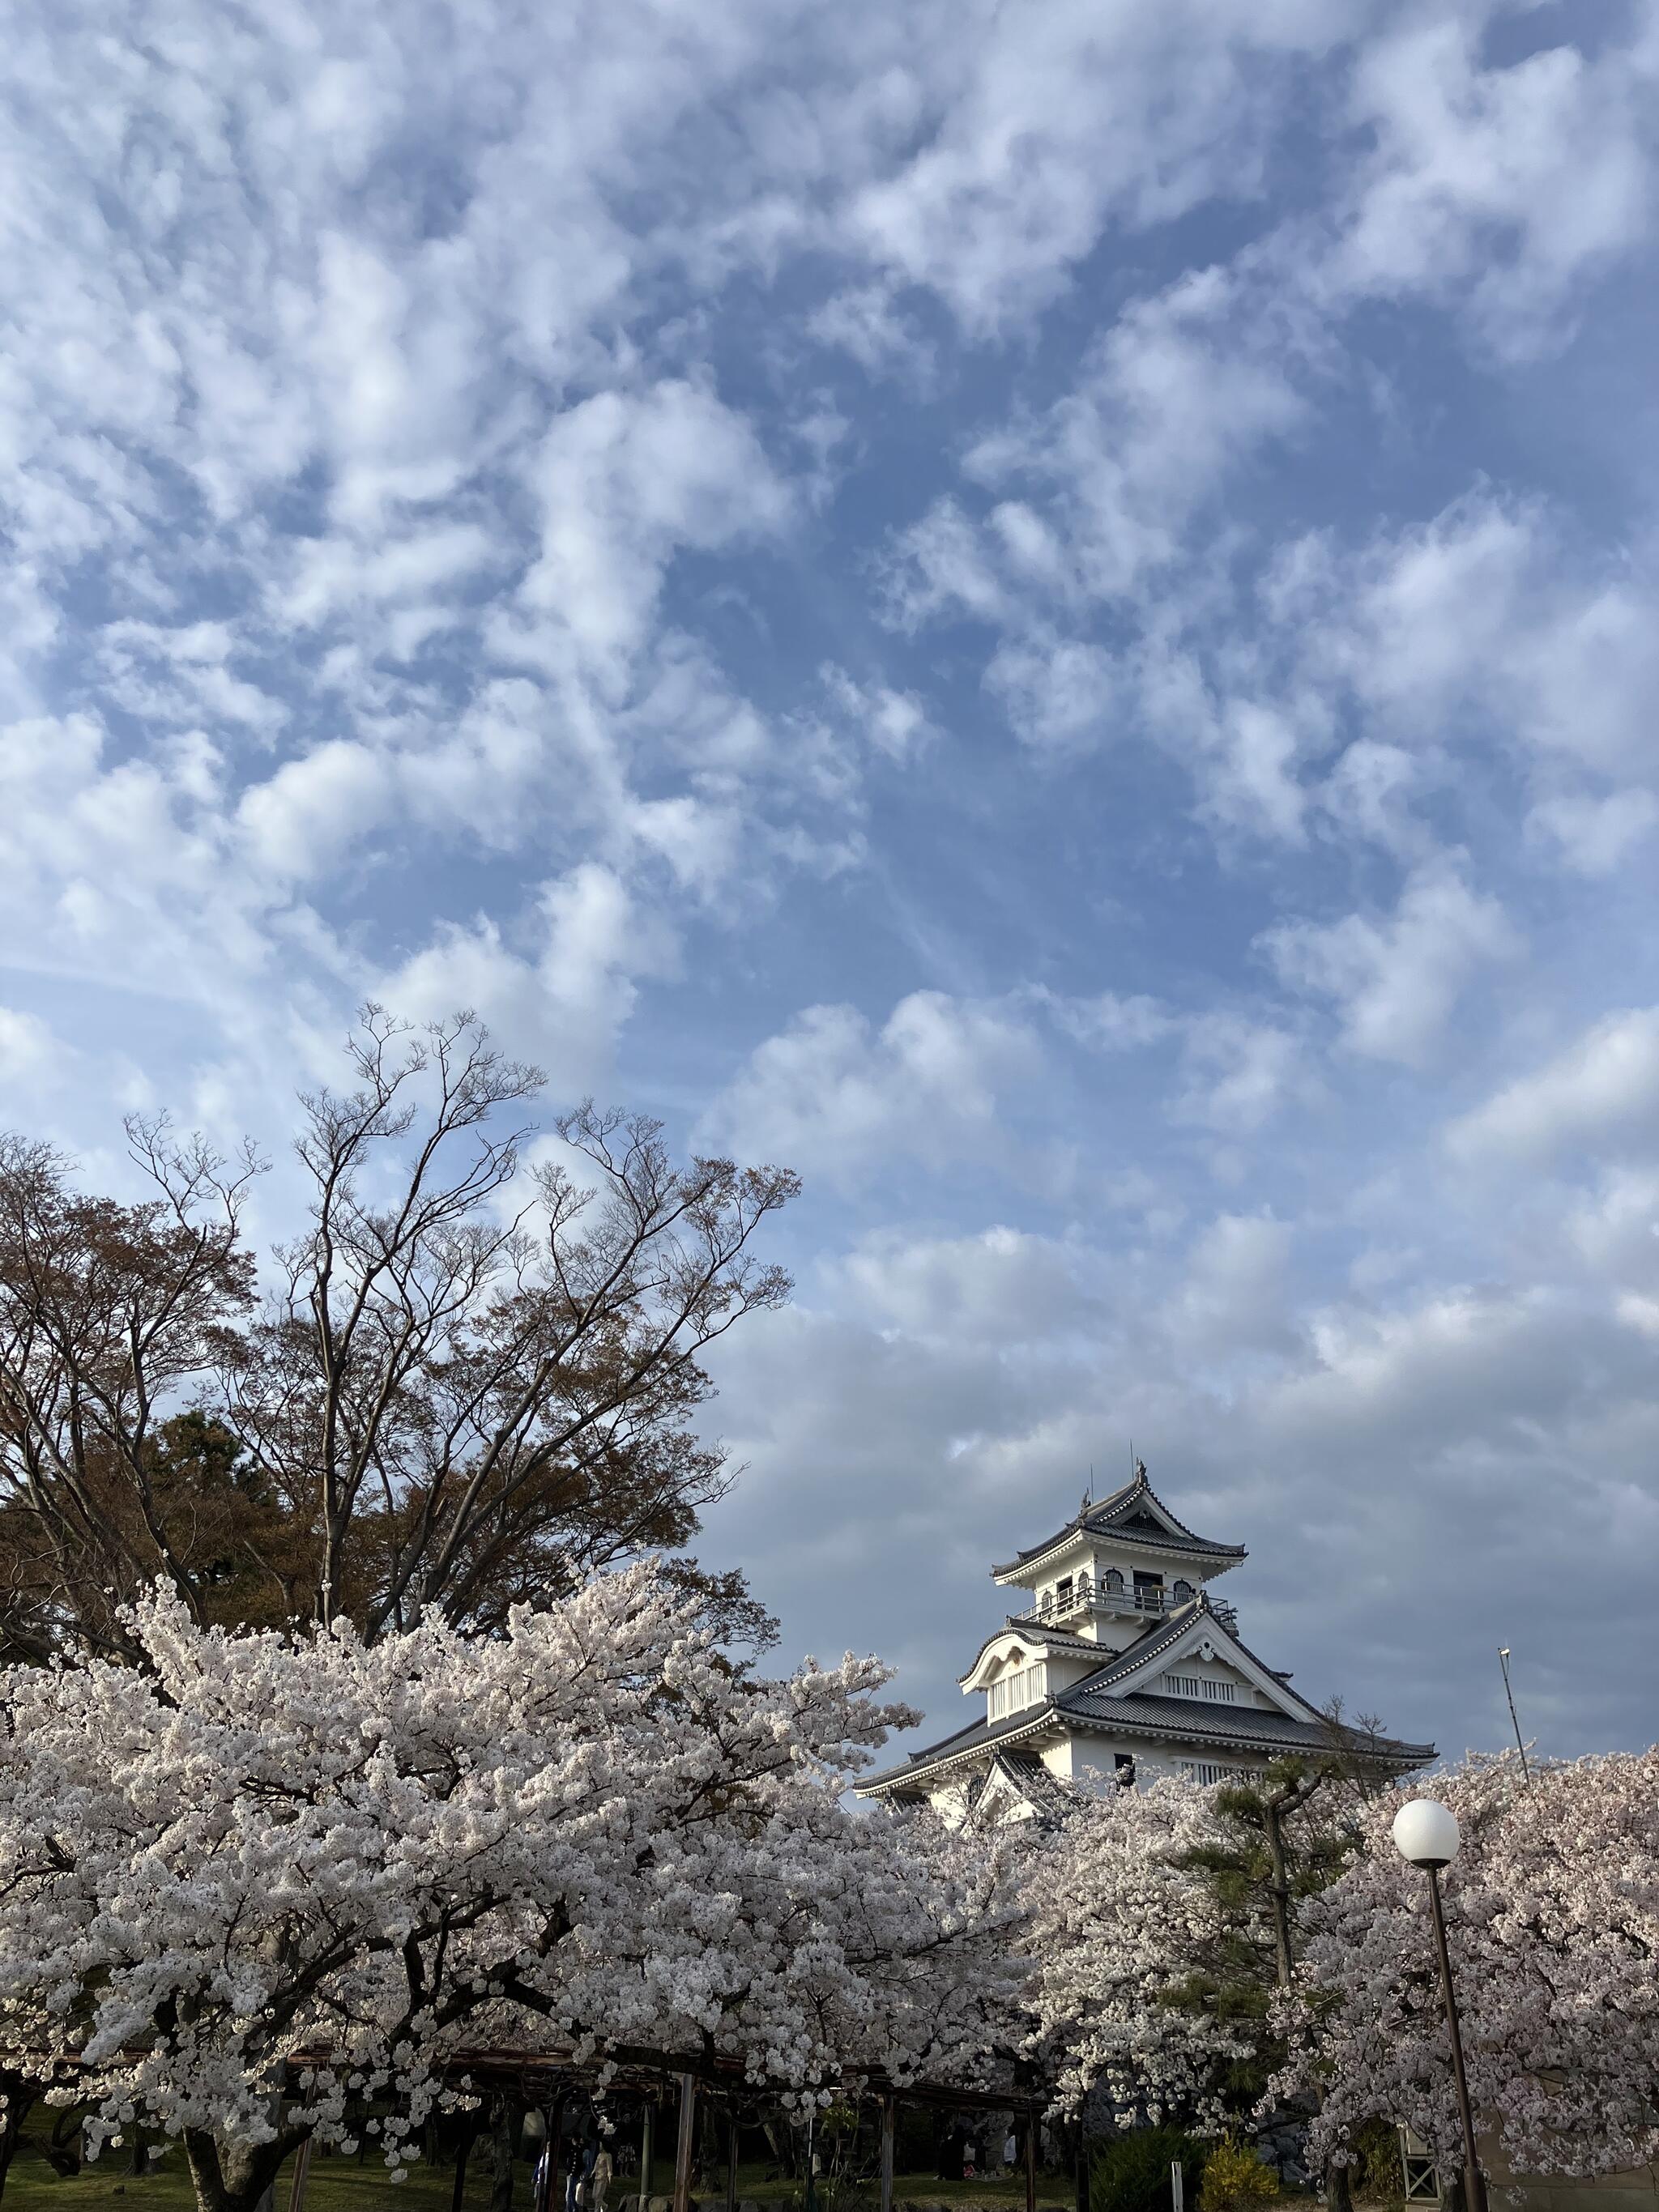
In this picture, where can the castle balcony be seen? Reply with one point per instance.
(1109, 1595)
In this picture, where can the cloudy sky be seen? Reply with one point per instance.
(1044, 611)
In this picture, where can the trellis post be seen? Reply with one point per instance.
(683, 2147)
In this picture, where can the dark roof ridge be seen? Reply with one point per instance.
(1032, 1630)
(1229, 1725)
(1145, 1646)
(1103, 1518)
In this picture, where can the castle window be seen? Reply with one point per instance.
(1113, 1579)
(1216, 1687)
(1012, 1693)
(1203, 1771)
(1184, 1592)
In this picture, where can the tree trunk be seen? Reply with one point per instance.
(19, 2096)
(8, 2146)
(233, 2177)
(782, 2143)
(502, 2132)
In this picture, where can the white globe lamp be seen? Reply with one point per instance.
(1425, 1832)
(1425, 1835)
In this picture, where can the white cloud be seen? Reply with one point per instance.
(1596, 835)
(1233, 1296)
(894, 722)
(1186, 385)
(33, 1058)
(1237, 1073)
(562, 1000)
(1053, 125)
(1603, 1090)
(623, 481)
(1234, 1071)
(1499, 189)
(1059, 692)
(830, 1094)
(301, 821)
(1114, 1022)
(1003, 1288)
(1396, 981)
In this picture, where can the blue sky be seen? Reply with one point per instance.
(1045, 613)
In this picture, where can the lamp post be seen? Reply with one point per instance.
(1425, 1834)
(1515, 1720)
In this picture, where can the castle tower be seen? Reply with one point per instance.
(1121, 1667)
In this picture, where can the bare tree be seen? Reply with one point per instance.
(472, 1379)
(109, 1315)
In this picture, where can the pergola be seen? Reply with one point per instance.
(547, 2078)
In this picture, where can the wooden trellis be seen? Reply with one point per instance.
(546, 2079)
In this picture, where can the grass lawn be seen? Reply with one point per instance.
(342, 2185)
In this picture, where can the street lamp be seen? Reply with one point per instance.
(1425, 1834)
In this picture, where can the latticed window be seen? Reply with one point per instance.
(1025, 1685)
(1216, 1687)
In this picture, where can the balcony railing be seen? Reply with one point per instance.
(1089, 1595)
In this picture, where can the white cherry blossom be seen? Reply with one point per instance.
(273, 1857)
(1552, 1921)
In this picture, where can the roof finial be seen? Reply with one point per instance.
(1140, 1470)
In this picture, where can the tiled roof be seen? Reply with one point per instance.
(1049, 1797)
(1172, 1720)
(1031, 1629)
(1134, 1514)
(1036, 1630)
(1250, 1726)
(1096, 1702)
(977, 1737)
(1167, 1632)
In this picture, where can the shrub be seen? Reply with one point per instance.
(1132, 2172)
(1236, 2180)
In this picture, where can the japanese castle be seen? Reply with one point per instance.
(1121, 1666)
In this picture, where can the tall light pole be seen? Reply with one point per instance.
(1425, 1834)
(1504, 1661)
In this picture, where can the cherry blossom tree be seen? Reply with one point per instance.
(1552, 1919)
(1119, 1922)
(302, 1861)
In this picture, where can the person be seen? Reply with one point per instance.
(1010, 2152)
(582, 2153)
(970, 2159)
(598, 2180)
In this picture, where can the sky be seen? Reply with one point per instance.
(1043, 612)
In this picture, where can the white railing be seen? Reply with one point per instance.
(1087, 1595)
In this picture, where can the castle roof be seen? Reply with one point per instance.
(1134, 1514)
(1032, 1630)
(1109, 1701)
